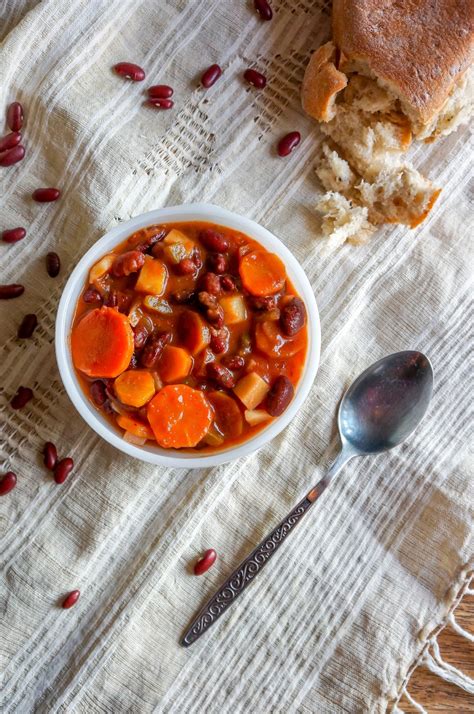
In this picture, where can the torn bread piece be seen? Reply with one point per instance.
(342, 221)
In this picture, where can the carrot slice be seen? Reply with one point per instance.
(179, 416)
(135, 427)
(102, 343)
(175, 363)
(270, 340)
(135, 387)
(262, 273)
(193, 332)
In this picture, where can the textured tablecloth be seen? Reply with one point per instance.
(334, 623)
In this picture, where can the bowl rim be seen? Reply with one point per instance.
(73, 288)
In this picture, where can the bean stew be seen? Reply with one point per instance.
(189, 335)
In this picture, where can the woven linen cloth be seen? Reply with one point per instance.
(340, 614)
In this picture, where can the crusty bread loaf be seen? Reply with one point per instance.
(395, 71)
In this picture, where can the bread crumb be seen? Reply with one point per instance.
(343, 221)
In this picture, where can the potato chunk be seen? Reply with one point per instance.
(153, 277)
(234, 309)
(251, 390)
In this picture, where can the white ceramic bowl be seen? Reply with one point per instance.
(75, 285)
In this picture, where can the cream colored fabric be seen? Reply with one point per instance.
(337, 618)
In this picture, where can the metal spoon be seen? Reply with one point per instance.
(379, 411)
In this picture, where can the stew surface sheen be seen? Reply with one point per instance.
(190, 335)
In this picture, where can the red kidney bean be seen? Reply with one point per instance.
(13, 235)
(186, 267)
(205, 562)
(10, 140)
(149, 243)
(160, 91)
(127, 263)
(130, 71)
(141, 332)
(219, 340)
(98, 393)
(228, 283)
(217, 263)
(92, 295)
(212, 240)
(53, 264)
(211, 283)
(45, 195)
(233, 362)
(28, 326)
(256, 79)
(50, 455)
(214, 311)
(265, 303)
(161, 103)
(7, 483)
(264, 9)
(153, 349)
(71, 599)
(211, 75)
(288, 143)
(12, 156)
(8, 292)
(21, 398)
(111, 299)
(196, 258)
(279, 396)
(220, 374)
(292, 317)
(15, 116)
(62, 469)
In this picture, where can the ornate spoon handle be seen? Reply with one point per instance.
(249, 568)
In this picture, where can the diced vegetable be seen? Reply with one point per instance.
(175, 363)
(179, 416)
(153, 277)
(177, 246)
(228, 416)
(193, 332)
(135, 312)
(213, 437)
(262, 273)
(157, 304)
(133, 426)
(135, 387)
(251, 390)
(271, 341)
(103, 266)
(201, 361)
(234, 309)
(253, 417)
(102, 343)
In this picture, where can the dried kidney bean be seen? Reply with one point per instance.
(186, 266)
(205, 562)
(264, 9)
(217, 263)
(50, 455)
(211, 283)
(97, 392)
(127, 263)
(53, 264)
(92, 296)
(220, 374)
(15, 116)
(46, 195)
(8, 292)
(160, 91)
(12, 156)
(161, 103)
(211, 75)
(10, 140)
(7, 483)
(13, 235)
(233, 362)
(212, 240)
(293, 317)
(219, 340)
(71, 599)
(256, 79)
(153, 349)
(62, 469)
(28, 326)
(130, 71)
(288, 143)
(21, 398)
(279, 396)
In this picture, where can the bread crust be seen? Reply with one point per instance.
(418, 48)
(322, 81)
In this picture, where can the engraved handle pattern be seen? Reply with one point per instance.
(246, 572)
